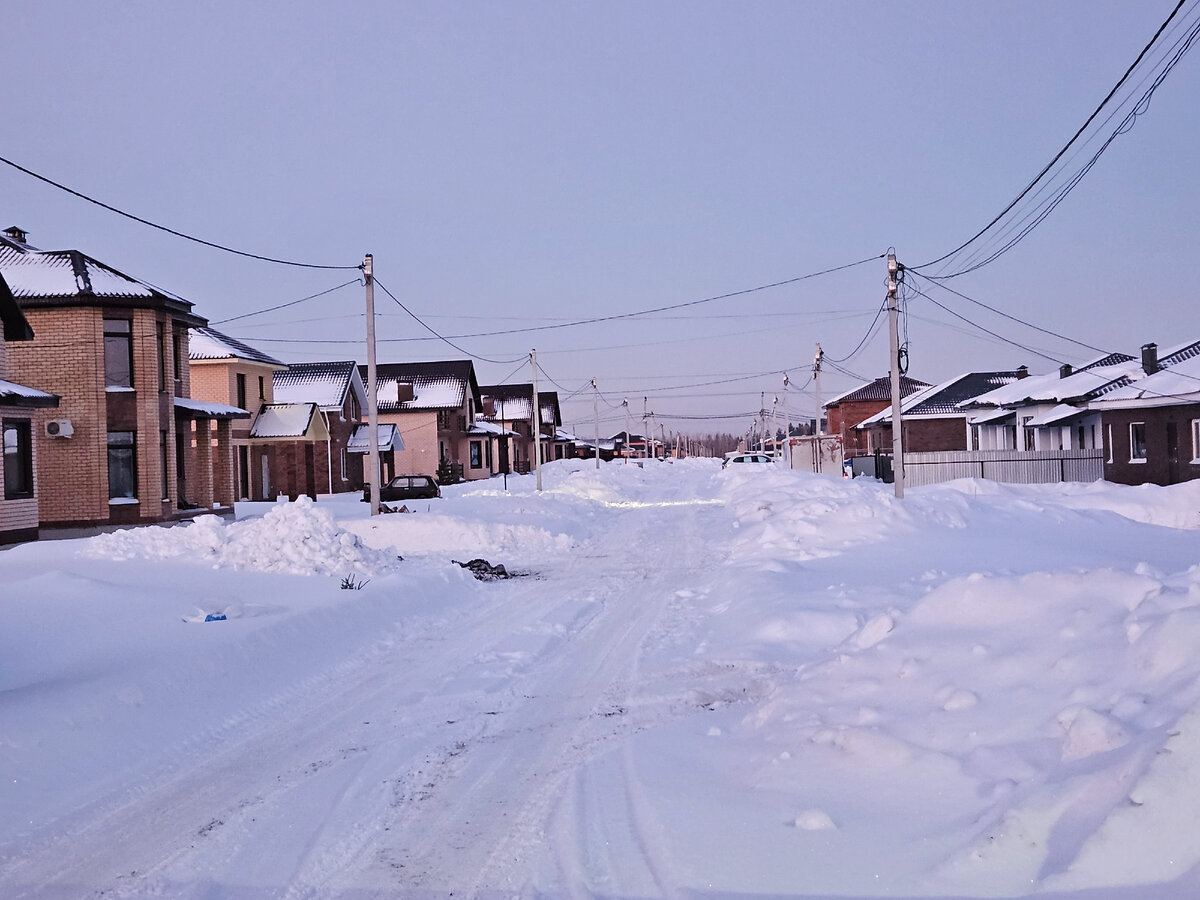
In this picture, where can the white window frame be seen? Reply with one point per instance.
(1196, 440)
(1111, 452)
(1139, 460)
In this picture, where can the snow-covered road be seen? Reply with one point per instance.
(709, 684)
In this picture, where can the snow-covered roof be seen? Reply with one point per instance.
(322, 383)
(1053, 388)
(289, 420)
(388, 438)
(38, 276)
(210, 344)
(13, 394)
(483, 426)
(435, 385)
(945, 399)
(212, 410)
(991, 417)
(1178, 384)
(514, 402)
(879, 389)
(1056, 415)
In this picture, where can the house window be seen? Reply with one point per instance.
(1196, 440)
(342, 456)
(18, 459)
(476, 454)
(177, 354)
(1137, 441)
(1029, 433)
(443, 418)
(118, 353)
(262, 388)
(1109, 435)
(241, 391)
(122, 465)
(488, 450)
(244, 472)
(161, 340)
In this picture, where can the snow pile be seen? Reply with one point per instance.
(292, 538)
(440, 534)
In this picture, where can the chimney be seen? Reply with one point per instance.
(17, 234)
(1022, 372)
(1149, 358)
(1064, 371)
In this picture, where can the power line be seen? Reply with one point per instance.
(1001, 337)
(1067, 146)
(419, 321)
(259, 312)
(179, 234)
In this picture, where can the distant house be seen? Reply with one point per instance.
(338, 392)
(19, 435)
(847, 410)
(435, 424)
(511, 405)
(933, 417)
(114, 349)
(1151, 426)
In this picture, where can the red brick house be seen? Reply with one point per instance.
(1151, 426)
(114, 349)
(847, 410)
(934, 417)
(336, 388)
(19, 438)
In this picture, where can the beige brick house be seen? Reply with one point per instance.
(114, 349)
(19, 438)
(434, 426)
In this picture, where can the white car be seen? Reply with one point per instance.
(747, 458)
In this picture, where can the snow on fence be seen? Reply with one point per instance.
(1011, 466)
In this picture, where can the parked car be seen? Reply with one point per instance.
(406, 487)
(747, 458)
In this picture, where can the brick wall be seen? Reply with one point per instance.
(1157, 468)
(66, 357)
(420, 433)
(842, 418)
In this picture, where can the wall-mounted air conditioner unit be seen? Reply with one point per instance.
(59, 428)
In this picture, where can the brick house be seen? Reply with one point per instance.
(114, 349)
(434, 425)
(337, 390)
(19, 438)
(934, 418)
(847, 410)
(511, 406)
(1151, 426)
(225, 370)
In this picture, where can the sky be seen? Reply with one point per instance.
(524, 165)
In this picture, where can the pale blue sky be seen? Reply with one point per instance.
(517, 164)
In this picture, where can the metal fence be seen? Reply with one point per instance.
(1011, 466)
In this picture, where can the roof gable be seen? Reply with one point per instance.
(879, 389)
(289, 421)
(445, 384)
(15, 326)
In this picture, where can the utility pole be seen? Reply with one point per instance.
(893, 270)
(762, 420)
(820, 355)
(625, 403)
(537, 423)
(596, 418)
(645, 437)
(372, 387)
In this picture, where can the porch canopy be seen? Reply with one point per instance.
(202, 409)
(992, 417)
(388, 438)
(1056, 416)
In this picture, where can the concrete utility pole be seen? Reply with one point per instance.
(372, 388)
(537, 423)
(596, 418)
(820, 355)
(645, 434)
(893, 270)
(625, 403)
(762, 420)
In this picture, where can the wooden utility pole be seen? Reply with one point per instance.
(893, 269)
(373, 472)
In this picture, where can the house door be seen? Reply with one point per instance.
(266, 477)
(180, 468)
(1172, 453)
(310, 479)
(244, 472)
